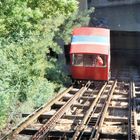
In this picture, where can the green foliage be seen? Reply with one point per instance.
(18, 20)
(4, 108)
(56, 7)
(77, 19)
(43, 87)
(23, 18)
(29, 29)
(55, 73)
(21, 67)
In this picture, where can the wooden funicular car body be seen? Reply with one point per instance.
(90, 54)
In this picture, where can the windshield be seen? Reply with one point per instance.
(89, 60)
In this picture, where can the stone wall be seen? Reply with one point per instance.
(119, 18)
(103, 3)
(82, 4)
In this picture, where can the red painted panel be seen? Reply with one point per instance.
(91, 31)
(89, 73)
(83, 49)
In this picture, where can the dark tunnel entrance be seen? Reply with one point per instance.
(125, 48)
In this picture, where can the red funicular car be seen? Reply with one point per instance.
(90, 54)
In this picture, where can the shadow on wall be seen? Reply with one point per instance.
(67, 53)
(98, 21)
(127, 58)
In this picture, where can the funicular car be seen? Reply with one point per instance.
(90, 54)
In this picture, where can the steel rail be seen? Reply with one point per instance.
(135, 115)
(87, 115)
(103, 113)
(132, 118)
(52, 121)
(29, 119)
(98, 119)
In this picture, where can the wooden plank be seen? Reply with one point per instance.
(108, 136)
(116, 119)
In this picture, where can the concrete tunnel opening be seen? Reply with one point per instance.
(125, 48)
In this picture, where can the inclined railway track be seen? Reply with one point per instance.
(52, 121)
(87, 117)
(71, 94)
(133, 116)
(82, 100)
(103, 112)
(103, 99)
(133, 130)
(32, 117)
(110, 110)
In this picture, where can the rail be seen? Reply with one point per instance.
(132, 119)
